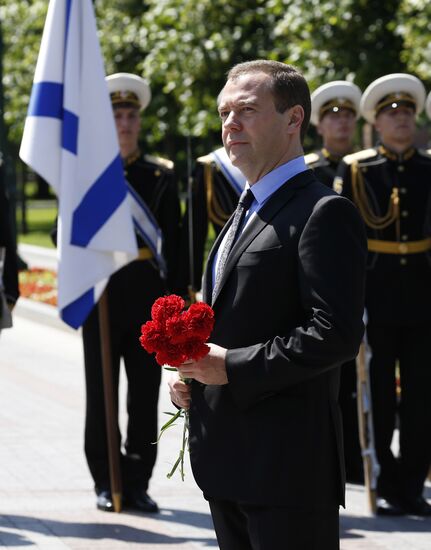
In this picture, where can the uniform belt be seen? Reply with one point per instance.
(144, 253)
(392, 247)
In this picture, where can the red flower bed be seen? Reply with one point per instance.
(39, 285)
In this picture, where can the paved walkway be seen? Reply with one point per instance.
(46, 497)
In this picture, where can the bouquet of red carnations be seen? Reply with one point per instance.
(176, 335)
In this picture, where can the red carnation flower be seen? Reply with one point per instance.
(153, 336)
(195, 349)
(200, 320)
(166, 307)
(175, 335)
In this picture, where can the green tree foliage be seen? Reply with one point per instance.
(22, 24)
(185, 47)
(353, 39)
(414, 20)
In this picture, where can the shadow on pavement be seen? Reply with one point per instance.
(401, 524)
(98, 531)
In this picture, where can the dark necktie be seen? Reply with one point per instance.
(244, 204)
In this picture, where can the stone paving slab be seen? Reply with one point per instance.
(46, 497)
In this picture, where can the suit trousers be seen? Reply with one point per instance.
(409, 345)
(249, 527)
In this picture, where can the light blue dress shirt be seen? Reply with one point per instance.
(262, 190)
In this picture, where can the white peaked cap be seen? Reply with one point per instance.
(339, 93)
(396, 87)
(129, 88)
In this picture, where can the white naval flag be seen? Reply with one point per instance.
(70, 140)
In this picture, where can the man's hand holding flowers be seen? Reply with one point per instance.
(210, 370)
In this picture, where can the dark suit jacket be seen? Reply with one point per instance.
(289, 310)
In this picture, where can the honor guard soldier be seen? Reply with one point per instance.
(390, 185)
(334, 111)
(216, 188)
(131, 292)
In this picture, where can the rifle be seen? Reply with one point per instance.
(366, 429)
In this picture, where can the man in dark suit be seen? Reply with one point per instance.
(265, 427)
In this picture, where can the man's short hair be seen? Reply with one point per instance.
(288, 86)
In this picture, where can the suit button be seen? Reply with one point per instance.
(403, 248)
(403, 190)
(404, 213)
(401, 168)
(403, 261)
(404, 237)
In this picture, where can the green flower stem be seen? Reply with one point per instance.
(181, 413)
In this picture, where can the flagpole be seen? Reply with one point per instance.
(192, 290)
(111, 410)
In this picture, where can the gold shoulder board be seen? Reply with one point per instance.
(425, 153)
(206, 159)
(166, 164)
(360, 155)
(337, 186)
(311, 158)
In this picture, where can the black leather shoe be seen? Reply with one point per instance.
(392, 507)
(104, 501)
(140, 500)
(418, 507)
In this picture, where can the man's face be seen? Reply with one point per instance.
(338, 126)
(253, 132)
(396, 125)
(128, 123)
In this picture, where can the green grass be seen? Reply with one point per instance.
(40, 222)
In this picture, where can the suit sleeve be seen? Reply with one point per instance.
(331, 273)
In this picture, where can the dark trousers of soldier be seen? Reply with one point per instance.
(403, 476)
(349, 409)
(131, 292)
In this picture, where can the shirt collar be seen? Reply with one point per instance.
(272, 181)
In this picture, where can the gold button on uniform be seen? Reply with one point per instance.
(404, 213)
(403, 248)
(401, 168)
(404, 237)
(403, 261)
(403, 190)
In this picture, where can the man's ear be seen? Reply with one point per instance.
(296, 117)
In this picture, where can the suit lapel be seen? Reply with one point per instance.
(260, 220)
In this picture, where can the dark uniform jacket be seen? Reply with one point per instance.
(289, 311)
(213, 201)
(324, 165)
(393, 194)
(10, 274)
